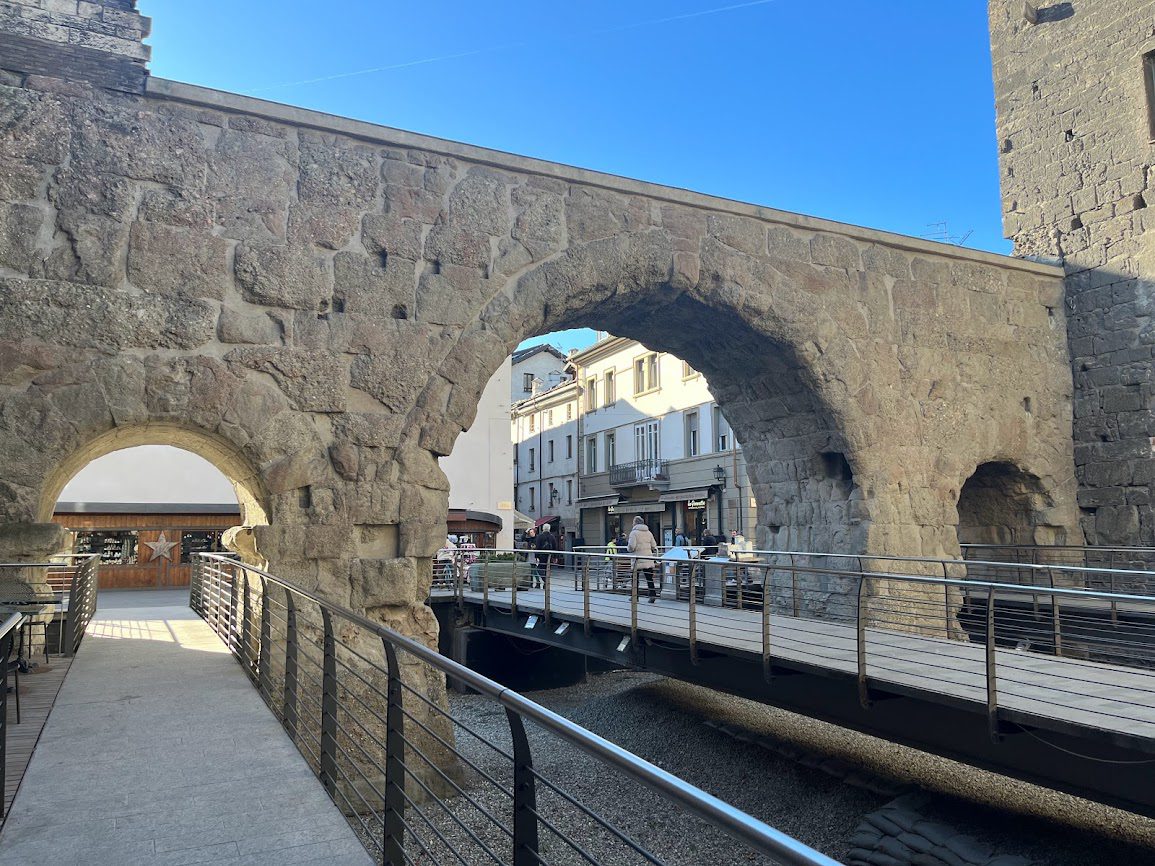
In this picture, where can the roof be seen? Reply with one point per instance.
(146, 508)
(529, 351)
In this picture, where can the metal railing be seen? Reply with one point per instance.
(82, 578)
(639, 472)
(364, 705)
(1004, 645)
(9, 629)
(1140, 561)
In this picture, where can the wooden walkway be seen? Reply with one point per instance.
(1109, 698)
(37, 694)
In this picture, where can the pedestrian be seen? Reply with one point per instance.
(680, 538)
(644, 547)
(709, 545)
(545, 543)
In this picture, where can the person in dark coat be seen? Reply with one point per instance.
(545, 541)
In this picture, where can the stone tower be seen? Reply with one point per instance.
(76, 40)
(1075, 96)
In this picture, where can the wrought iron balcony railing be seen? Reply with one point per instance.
(640, 472)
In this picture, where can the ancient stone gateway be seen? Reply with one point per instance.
(316, 304)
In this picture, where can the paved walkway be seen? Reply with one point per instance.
(159, 751)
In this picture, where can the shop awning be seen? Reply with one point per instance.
(521, 521)
(684, 495)
(639, 507)
(599, 502)
(542, 521)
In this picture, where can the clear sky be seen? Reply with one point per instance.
(879, 114)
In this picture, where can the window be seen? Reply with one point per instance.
(591, 394)
(722, 439)
(532, 422)
(552, 494)
(551, 451)
(569, 447)
(647, 441)
(527, 383)
(688, 372)
(114, 548)
(592, 454)
(569, 492)
(611, 450)
(646, 373)
(692, 443)
(532, 499)
(1149, 84)
(532, 455)
(199, 542)
(611, 388)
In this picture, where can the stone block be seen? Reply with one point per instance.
(277, 276)
(242, 326)
(386, 582)
(176, 261)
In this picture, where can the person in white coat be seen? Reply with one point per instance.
(644, 547)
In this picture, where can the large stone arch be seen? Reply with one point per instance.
(329, 298)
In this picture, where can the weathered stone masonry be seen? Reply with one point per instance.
(1076, 154)
(316, 305)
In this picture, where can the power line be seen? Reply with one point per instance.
(492, 49)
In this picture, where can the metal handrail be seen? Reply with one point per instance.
(876, 609)
(756, 834)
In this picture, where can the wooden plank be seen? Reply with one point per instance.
(38, 693)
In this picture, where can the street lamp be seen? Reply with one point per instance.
(554, 496)
(720, 477)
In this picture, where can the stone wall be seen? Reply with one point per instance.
(1075, 133)
(320, 303)
(98, 42)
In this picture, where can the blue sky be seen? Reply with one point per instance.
(879, 114)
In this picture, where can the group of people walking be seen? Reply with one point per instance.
(542, 547)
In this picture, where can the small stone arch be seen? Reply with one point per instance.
(1003, 504)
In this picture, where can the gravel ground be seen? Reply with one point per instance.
(665, 721)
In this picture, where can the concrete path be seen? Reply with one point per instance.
(159, 751)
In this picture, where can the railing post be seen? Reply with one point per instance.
(234, 628)
(1056, 624)
(329, 707)
(460, 572)
(485, 585)
(586, 592)
(525, 841)
(767, 603)
(513, 589)
(548, 578)
(246, 628)
(5, 655)
(694, 613)
(289, 695)
(264, 683)
(992, 670)
(635, 578)
(394, 825)
(860, 618)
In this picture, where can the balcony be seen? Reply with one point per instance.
(652, 473)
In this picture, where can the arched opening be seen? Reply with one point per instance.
(146, 499)
(606, 429)
(1002, 505)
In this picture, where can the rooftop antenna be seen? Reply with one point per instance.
(940, 232)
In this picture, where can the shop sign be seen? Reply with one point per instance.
(695, 504)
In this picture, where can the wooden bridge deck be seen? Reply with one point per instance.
(37, 694)
(1113, 699)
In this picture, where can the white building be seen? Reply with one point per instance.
(654, 443)
(536, 368)
(480, 469)
(546, 438)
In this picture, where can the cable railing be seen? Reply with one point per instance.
(1005, 647)
(1109, 563)
(366, 707)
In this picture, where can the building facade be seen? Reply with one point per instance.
(546, 437)
(1075, 97)
(145, 546)
(654, 443)
(536, 368)
(480, 467)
